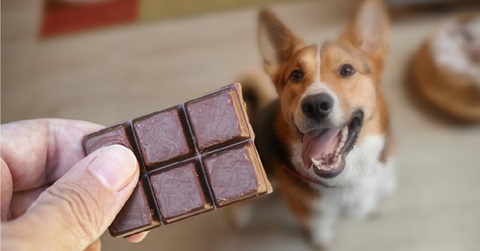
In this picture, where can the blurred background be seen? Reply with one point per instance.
(108, 61)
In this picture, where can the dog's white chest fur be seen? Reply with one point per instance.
(355, 192)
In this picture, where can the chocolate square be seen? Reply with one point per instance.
(234, 174)
(179, 192)
(217, 119)
(135, 215)
(161, 137)
(107, 137)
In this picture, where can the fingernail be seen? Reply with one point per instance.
(114, 166)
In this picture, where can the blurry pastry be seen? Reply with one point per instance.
(446, 68)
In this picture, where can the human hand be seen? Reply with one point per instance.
(52, 196)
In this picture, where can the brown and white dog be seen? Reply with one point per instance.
(325, 136)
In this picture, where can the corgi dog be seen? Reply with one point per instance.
(324, 131)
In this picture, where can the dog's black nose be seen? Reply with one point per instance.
(317, 106)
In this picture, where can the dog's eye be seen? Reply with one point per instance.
(296, 76)
(346, 70)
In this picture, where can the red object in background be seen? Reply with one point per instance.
(60, 17)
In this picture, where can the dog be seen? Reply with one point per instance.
(322, 128)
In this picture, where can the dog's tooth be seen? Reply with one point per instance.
(325, 164)
(344, 134)
(337, 162)
(315, 162)
(340, 146)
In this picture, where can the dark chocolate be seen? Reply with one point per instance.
(113, 135)
(179, 192)
(194, 157)
(234, 174)
(135, 214)
(213, 126)
(161, 136)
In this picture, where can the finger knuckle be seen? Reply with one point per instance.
(80, 208)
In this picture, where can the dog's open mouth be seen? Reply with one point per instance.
(325, 149)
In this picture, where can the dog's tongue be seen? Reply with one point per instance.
(318, 143)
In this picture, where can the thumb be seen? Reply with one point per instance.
(77, 209)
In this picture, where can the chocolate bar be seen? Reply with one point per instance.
(195, 157)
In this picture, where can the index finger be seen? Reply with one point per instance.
(39, 152)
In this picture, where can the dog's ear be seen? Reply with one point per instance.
(368, 30)
(276, 42)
